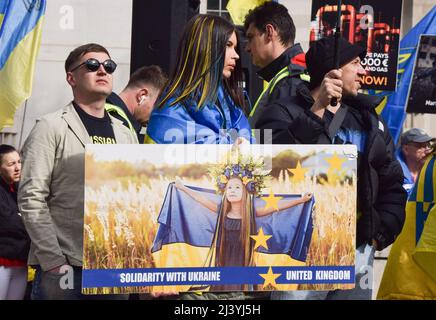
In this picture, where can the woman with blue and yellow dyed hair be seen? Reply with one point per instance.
(203, 99)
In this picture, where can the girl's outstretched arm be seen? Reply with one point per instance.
(282, 205)
(196, 196)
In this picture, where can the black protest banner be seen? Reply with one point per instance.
(372, 24)
(422, 92)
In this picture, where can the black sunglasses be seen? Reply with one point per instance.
(93, 65)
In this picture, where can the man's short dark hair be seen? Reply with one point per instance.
(275, 14)
(152, 75)
(77, 53)
(5, 149)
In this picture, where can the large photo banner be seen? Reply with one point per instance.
(165, 218)
(422, 92)
(373, 24)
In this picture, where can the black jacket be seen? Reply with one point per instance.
(14, 240)
(290, 118)
(115, 100)
(294, 59)
(381, 197)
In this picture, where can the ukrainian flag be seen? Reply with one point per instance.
(184, 123)
(410, 272)
(186, 231)
(20, 36)
(238, 9)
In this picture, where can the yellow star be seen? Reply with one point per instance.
(270, 278)
(298, 172)
(260, 239)
(335, 161)
(271, 201)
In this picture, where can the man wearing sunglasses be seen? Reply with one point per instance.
(415, 146)
(52, 189)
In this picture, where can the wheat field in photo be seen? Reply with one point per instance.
(121, 220)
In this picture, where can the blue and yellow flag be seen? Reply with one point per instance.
(187, 229)
(410, 272)
(183, 220)
(20, 36)
(393, 109)
(220, 123)
(238, 9)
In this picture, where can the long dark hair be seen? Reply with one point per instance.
(200, 63)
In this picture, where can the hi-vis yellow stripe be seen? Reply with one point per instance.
(2, 16)
(183, 255)
(17, 74)
(381, 106)
(148, 140)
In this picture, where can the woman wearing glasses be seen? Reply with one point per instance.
(203, 100)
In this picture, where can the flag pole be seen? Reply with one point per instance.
(22, 124)
(334, 101)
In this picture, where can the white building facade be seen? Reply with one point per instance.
(70, 23)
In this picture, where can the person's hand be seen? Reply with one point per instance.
(241, 144)
(56, 270)
(164, 294)
(331, 87)
(375, 244)
(307, 196)
(179, 184)
(241, 141)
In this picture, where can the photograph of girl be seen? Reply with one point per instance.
(162, 218)
(228, 219)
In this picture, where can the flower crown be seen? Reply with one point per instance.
(249, 170)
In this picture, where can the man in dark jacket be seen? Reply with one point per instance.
(135, 103)
(270, 33)
(309, 118)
